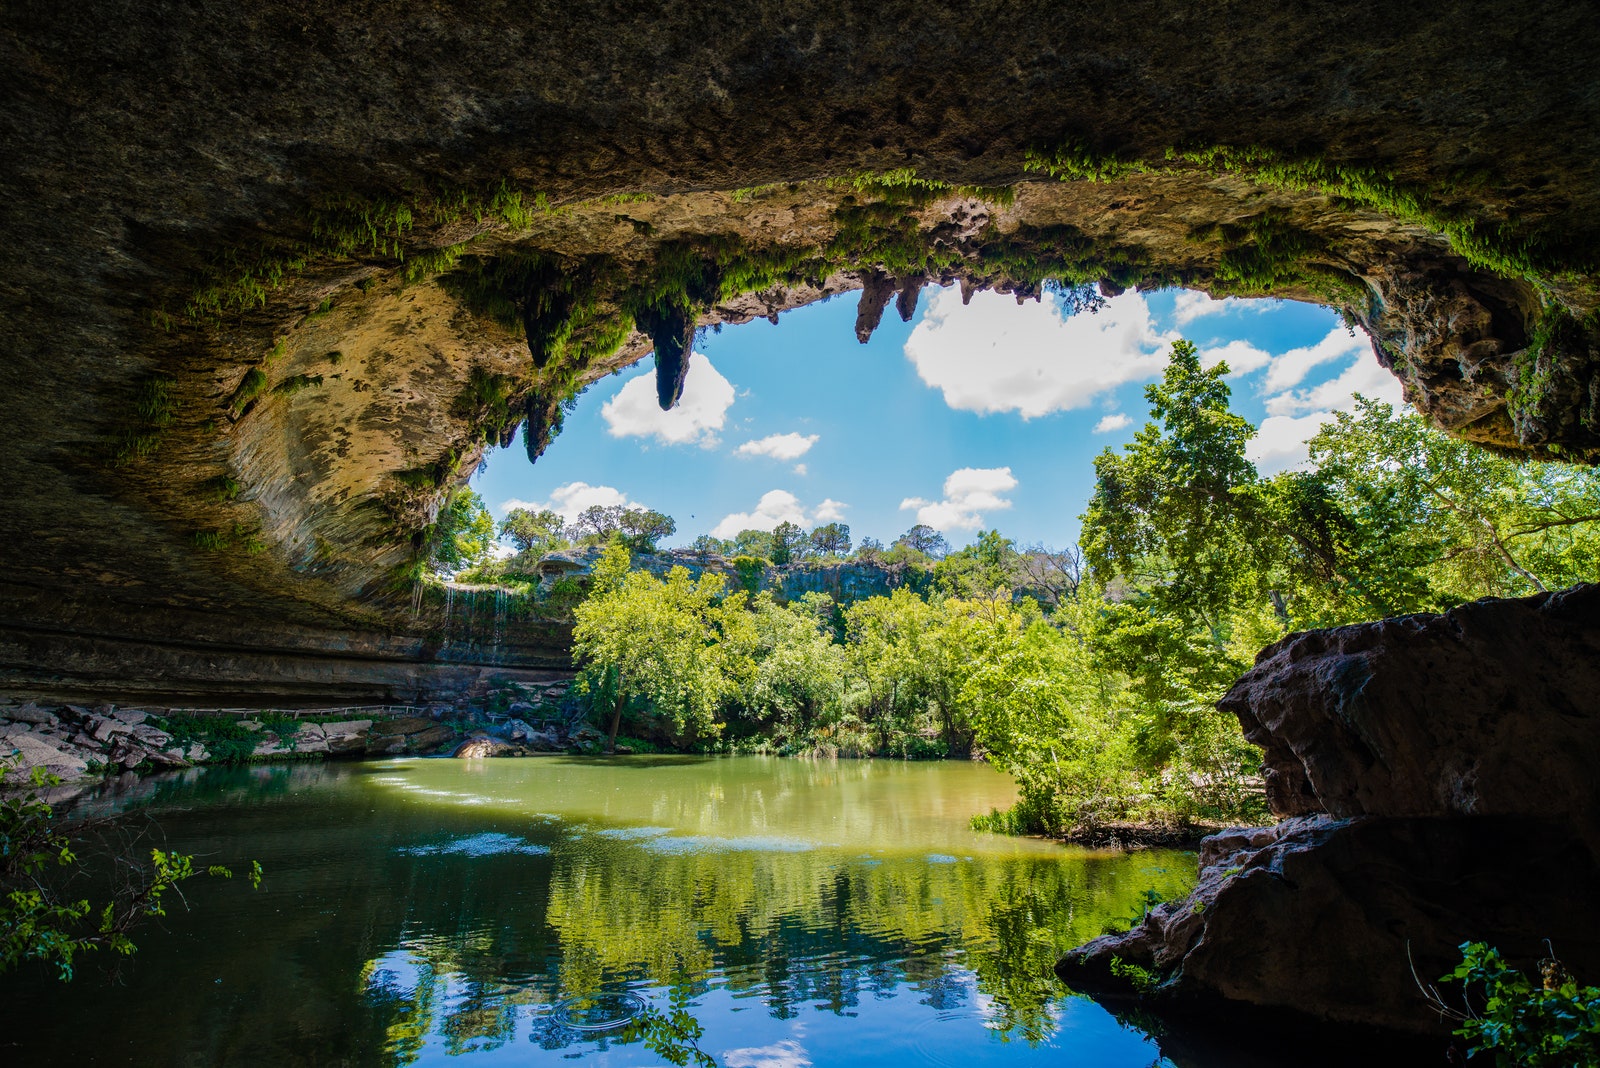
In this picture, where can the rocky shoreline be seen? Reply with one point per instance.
(78, 744)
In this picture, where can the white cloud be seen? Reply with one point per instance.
(1293, 366)
(778, 446)
(802, 470)
(699, 414)
(1364, 375)
(968, 493)
(1240, 356)
(1281, 442)
(571, 499)
(831, 511)
(994, 356)
(784, 1054)
(1193, 304)
(776, 506)
(1295, 416)
(1112, 422)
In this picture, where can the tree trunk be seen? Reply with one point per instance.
(616, 719)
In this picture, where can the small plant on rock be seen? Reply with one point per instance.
(1520, 1023)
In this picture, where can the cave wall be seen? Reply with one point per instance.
(198, 193)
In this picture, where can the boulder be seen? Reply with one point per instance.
(30, 751)
(270, 745)
(1327, 918)
(1490, 708)
(407, 725)
(345, 728)
(431, 739)
(542, 742)
(151, 737)
(31, 713)
(475, 748)
(131, 716)
(103, 730)
(346, 737)
(307, 742)
(197, 753)
(1435, 776)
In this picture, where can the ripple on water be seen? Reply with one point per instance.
(488, 844)
(605, 1010)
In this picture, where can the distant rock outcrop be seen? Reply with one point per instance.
(846, 582)
(1436, 773)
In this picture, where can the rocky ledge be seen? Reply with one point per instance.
(1434, 774)
(76, 744)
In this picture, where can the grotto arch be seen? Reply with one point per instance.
(274, 267)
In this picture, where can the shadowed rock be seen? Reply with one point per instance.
(671, 330)
(1437, 772)
(546, 306)
(876, 290)
(910, 290)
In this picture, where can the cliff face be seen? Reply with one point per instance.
(280, 272)
(1435, 788)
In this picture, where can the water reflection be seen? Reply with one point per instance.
(426, 910)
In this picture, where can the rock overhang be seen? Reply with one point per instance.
(278, 269)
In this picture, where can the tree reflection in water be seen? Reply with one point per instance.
(787, 928)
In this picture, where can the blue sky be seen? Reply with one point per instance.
(966, 418)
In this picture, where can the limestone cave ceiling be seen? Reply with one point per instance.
(281, 271)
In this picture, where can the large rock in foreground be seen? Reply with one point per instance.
(1436, 772)
(1490, 708)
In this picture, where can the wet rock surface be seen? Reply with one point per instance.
(1436, 775)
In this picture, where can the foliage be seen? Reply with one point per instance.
(251, 386)
(679, 672)
(534, 532)
(830, 539)
(1092, 676)
(789, 543)
(39, 922)
(638, 528)
(1552, 1024)
(463, 533)
(924, 539)
(674, 1036)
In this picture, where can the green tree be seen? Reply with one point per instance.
(751, 543)
(1434, 521)
(987, 566)
(831, 539)
(463, 533)
(789, 543)
(641, 528)
(667, 647)
(924, 539)
(536, 532)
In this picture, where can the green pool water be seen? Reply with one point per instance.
(436, 912)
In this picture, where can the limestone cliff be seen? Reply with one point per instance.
(280, 272)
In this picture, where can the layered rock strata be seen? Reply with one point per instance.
(1435, 776)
